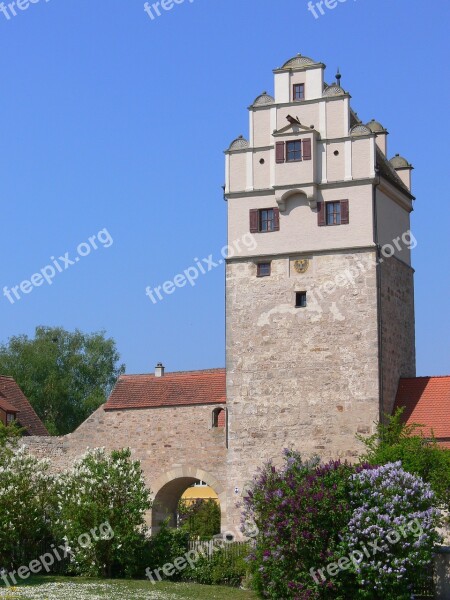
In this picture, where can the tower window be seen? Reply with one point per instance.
(219, 418)
(266, 220)
(294, 151)
(333, 213)
(263, 269)
(299, 92)
(300, 299)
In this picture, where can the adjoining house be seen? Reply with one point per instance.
(426, 401)
(14, 406)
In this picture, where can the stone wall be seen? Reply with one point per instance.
(398, 327)
(301, 377)
(172, 443)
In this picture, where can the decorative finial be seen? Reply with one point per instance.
(338, 78)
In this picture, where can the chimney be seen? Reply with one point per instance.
(159, 370)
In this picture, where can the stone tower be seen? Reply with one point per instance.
(320, 316)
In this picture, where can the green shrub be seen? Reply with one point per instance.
(223, 567)
(420, 455)
(338, 531)
(27, 504)
(104, 498)
(201, 519)
(164, 547)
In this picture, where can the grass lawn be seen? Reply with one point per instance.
(64, 588)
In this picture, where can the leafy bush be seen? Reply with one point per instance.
(300, 511)
(316, 520)
(104, 498)
(27, 503)
(395, 441)
(395, 508)
(164, 547)
(224, 567)
(201, 518)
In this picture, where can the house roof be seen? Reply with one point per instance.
(27, 417)
(426, 401)
(6, 406)
(173, 389)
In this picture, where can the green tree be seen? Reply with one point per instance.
(394, 441)
(65, 375)
(200, 518)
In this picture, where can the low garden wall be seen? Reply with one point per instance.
(442, 573)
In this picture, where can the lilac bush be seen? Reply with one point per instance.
(393, 529)
(339, 531)
(299, 510)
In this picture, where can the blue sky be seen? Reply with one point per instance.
(113, 120)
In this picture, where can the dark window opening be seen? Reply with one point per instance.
(294, 151)
(263, 269)
(300, 299)
(219, 418)
(299, 91)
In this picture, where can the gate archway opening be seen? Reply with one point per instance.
(169, 493)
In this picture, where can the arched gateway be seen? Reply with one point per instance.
(169, 488)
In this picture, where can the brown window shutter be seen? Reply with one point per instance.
(307, 149)
(279, 152)
(254, 218)
(321, 214)
(276, 219)
(345, 215)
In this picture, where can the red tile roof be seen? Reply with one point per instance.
(27, 417)
(173, 389)
(6, 406)
(427, 402)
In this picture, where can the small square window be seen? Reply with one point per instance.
(333, 213)
(294, 151)
(263, 269)
(300, 299)
(299, 92)
(10, 418)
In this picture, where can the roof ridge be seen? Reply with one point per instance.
(426, 377)
(167, 374)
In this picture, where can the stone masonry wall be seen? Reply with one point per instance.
(169, 442)
(301, 377)
(398, 327)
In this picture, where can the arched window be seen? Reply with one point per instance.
(219, 418)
